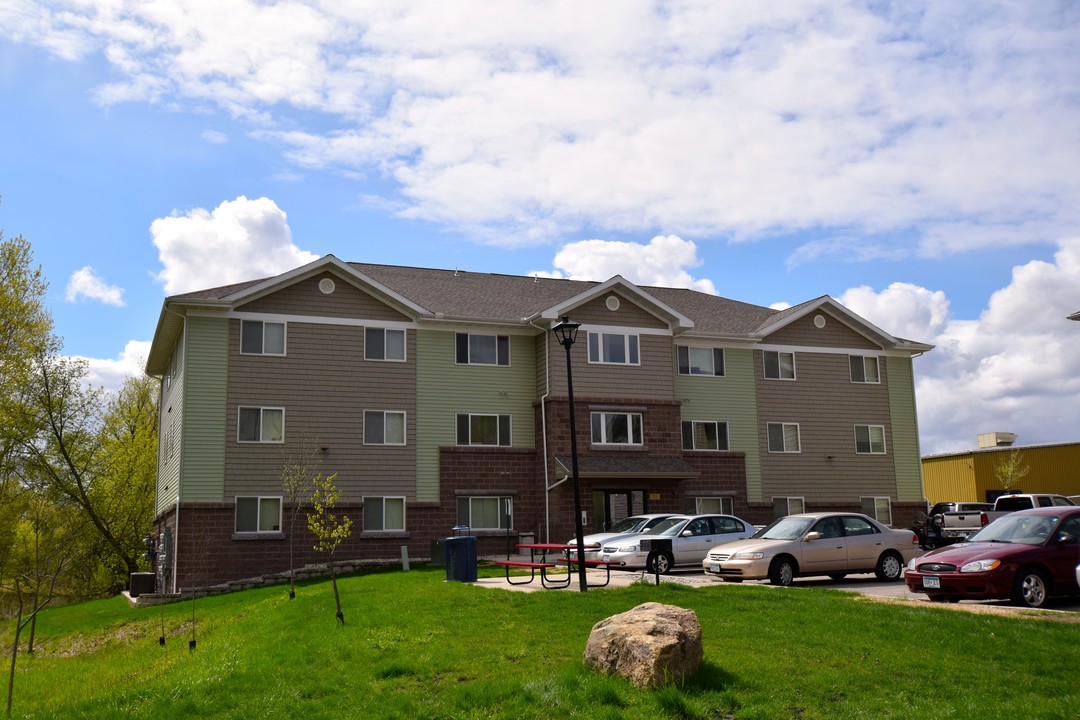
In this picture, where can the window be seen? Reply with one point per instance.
(879, 508)
(384, 427)
(616, 428)
(784, 438)
(384, 514)
(707, 435)
(261, 425)
(483, 429)
(262, 338)
(779, 365)
(701, 361)
(614, 348)
(258, 514)
(483, 349)
(384, 344)
(788, 506)
(870, 439)
(486, 513)
(864, 369)
(715, 506)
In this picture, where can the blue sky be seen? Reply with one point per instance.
(918, 162)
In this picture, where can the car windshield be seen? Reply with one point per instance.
(786, 528)
(1020, 529)
(630, 524)
(667, 527)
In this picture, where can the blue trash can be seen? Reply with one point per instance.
(461, 559)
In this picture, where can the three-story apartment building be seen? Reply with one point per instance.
(439, 399)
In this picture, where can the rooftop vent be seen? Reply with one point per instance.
(996, 439)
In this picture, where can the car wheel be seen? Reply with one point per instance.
(661, 563)
(782, 571)
(1030, 588)
(890, 567)
(837, 576)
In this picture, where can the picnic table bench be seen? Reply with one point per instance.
(543, 564)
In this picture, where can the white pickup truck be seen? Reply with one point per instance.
(945, 525)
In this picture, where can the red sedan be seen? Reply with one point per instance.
(1026, 556)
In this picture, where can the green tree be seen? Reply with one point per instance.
(296, 480)
(329, 530)
(1010, 469)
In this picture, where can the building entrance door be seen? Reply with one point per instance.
(611, 506)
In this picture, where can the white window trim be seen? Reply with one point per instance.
(727, 505)
(384, 413)
(875, 499)
(787, 500)
(630, 424)
(509, 440)
(784, 451)
(262, 409)
(264, 323)
(689, 372)
(884, 448)
(469, 358)
(765, 366)
(258, 506)
(404, 344)
(717, 423)
(382, 500)
(502, 500)
(600, 348)
(864, 358)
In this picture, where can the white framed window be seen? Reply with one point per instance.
(864, 369)
(257, 514)
(486, 512)
(475, 349)
(384, 427)
(384, 344)
(615, 428)
(788, 506)
(714, 506)
(260, 425)
(704, 435)
(870, 439)
(479, 429)
(613, 348)
(784, 438)
(779, 365)
(258, 337)
(701, 361)
(384, 514)
(879, 508)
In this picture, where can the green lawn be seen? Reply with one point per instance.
(415, 646)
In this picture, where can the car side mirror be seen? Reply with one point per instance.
(1066, 538)
(686, 533)
(811, 537)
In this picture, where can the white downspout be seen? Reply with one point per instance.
(180, 458)
(543, 426)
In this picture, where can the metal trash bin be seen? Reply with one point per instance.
(461, 559)
(438, 551)
(142, 583)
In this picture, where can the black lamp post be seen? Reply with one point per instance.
(566, 330)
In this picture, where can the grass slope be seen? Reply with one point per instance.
(417, 647)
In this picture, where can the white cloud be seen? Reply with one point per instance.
(1014, 369)
(662, 262)
(84, 283)
(111, 373)
(941, 126)
(239, 240)
(215, 137)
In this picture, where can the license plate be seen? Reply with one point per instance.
(931, 582)
(714, 567)
(605, 557)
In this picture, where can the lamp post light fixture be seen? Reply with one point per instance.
(566, 330)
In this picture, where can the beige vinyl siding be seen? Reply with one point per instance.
(305, 298)
(827, 406)
(324, 385)
(203, 434)
(835, 334)
(445, 389)
(170, 424)
(905, 450)
(651, 379)
(729, 399)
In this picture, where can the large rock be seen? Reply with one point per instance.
(650, 645)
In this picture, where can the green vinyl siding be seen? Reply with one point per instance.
(729, 399)
(170, 422)
(444, 389)
(905, 439)
(205, 373)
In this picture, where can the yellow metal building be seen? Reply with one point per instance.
(969, 476)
